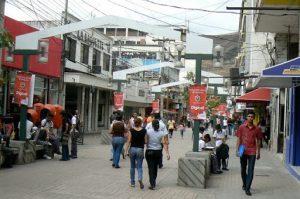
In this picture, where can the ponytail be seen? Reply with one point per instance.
(155, 125)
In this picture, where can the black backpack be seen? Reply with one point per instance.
(223, 151)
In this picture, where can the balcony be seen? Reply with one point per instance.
(277, 21)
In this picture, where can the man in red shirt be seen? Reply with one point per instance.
(250, 136)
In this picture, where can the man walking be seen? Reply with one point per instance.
(250, 136)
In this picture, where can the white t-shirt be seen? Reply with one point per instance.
(224, 122)
(29, 126)
(154, 139)
(74, 120)
(219, 134)
(201, 144)
(46, 124)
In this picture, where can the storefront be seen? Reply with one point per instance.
(286, 77)
(46, 67)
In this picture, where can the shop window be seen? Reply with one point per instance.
(71, 49)
(121, 32)
(84, 54)
(44, 50)
(110, 31)
(106, 61)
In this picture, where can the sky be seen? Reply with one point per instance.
(147, 11)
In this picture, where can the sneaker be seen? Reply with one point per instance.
(132, 185)
(248, 193)
(225, 169)
(47, 157)
(152, 188)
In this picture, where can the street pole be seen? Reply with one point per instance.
(23, 108)
(2, 8)
(198, 58)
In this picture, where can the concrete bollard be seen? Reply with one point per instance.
(191, 172)
(201, 154)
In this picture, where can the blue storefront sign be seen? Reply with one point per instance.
(290, 68)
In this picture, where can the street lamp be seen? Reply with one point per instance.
(218, 56)
(178, 64)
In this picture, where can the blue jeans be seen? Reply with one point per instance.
(117, 143)
(136, 161)
(65, 152)
(247, 177)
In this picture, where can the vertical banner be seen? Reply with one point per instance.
(22, 88)
(155, 106)
(197, 101)
(119, 101)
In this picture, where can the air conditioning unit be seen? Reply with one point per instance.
(96, 69)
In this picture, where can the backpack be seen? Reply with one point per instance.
(223, 151)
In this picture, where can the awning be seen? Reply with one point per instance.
(280, 76)
(258, 95)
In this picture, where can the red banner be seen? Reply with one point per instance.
(221, 110)
(22, 88)
(155, 106)
(119, 101)
(197, 101)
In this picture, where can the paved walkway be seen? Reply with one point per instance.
(91, 176)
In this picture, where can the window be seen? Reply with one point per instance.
(9, 57)
(84, 58)
(110, 31)
(132, 32)
(71, 50)
(96, 61)
(106, 61)
(96, 57)
(121, 32)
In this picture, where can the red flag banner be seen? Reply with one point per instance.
(155, 106)
(22, 88)
(197, 101)
(119, 101)
(221, 109)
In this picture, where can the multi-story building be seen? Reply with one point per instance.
(134, 48)
(87, 75)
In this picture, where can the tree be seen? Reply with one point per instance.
(6, 40)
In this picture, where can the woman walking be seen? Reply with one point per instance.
(154, 151)
(118, 138)
(135, 149)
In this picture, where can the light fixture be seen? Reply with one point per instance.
(179, 47)
(218, 56)
(178, 64)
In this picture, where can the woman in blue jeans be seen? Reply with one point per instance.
(118, 132)
(135, 149)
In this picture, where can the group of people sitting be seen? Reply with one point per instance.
(44, 134)
(220, 148)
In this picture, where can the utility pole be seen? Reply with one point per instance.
(2, 8)
(63, 59)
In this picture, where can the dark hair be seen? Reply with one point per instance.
(207, 136)
(218, 126)
(119, 117)
(137, 122)
(251, 113)
(155, 124)
(157, 116)
(50, 114)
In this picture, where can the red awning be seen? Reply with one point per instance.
(258, 95)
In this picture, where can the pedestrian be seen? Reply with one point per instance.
(154, 150)
(66, 126)
(163, 128)
(181, 128)
(118, 132)
(171, 126)
(137, 138)
(74, 132)
(250, 137)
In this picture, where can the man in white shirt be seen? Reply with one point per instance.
(29, 126)
(74, 133)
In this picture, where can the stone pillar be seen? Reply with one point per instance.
(96, 110)
(90, 110)
(82, 105)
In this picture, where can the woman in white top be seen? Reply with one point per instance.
(154, 151)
